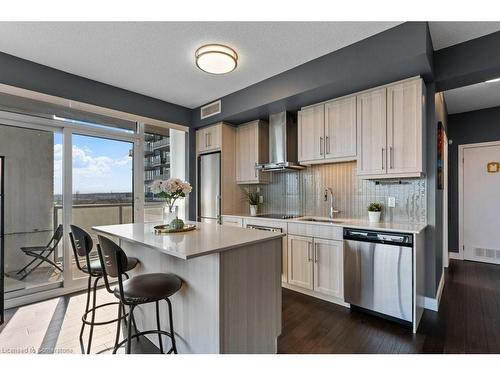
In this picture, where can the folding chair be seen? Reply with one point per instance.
(41, 253)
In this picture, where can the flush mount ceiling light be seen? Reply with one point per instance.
(216, 59)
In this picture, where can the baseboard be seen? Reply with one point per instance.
(315, 294)
(433, 303)
(455, 255)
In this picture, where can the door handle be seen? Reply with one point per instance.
(327, 145)
(391, 158)
(206, 139)
(383, 158)
(315, 253)
(309, 252)
(321, 145)
(255, 170)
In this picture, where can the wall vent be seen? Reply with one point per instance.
(211, 109)
(492, 254)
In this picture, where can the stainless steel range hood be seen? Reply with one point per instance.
(283, 145)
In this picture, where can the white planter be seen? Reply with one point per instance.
(374, 216)
(253, 210)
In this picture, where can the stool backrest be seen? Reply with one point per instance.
(82, 245)
(56, 237)
(113, 261)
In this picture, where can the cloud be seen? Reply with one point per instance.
(87, 166)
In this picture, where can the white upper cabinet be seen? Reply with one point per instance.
(311, 135)
(209, 139)
(252, 147)
(390, 126)
(372, 138)
(327, 132)
(340, 129)
(404, 128)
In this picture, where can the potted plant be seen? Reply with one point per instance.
(374, 210)
(252, 197)
(171, 190)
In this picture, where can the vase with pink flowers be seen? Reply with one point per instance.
(171, 190)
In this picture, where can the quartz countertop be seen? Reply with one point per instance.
(207, 238)
(350, 223)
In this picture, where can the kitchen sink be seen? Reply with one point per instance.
(321, 220)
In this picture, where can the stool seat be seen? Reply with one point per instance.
(96, 267)
(149, 287)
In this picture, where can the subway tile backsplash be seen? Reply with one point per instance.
(302, 193)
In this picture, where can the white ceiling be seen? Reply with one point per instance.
(473, 97)
(445, 34)
(157, 58)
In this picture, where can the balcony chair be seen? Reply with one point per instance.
(41, 253)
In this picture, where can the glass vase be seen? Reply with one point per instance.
(170, 213)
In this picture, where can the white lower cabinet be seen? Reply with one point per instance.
(328, 267)
(300, 266)
(316, 264)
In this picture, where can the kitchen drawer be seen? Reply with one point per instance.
(328, 231)
(267, 223)
(232, 221)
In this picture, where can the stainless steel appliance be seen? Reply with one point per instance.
(209, 192)
(278, 216)
(2, 258)
(283, 141)
(378, 272)
(266, 228)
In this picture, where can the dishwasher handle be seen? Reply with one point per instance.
(389, 238)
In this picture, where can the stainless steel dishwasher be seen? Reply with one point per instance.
(378, 272)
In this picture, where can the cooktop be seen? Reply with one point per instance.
(278, 216)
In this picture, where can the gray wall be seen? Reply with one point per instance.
(397, 53)
(468, 127)
(26, 74)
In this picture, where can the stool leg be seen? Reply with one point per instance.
(172, 334)
(133, 322)
(129, 328)
(93, 315)
(158, 326)
(89, 290)
(118, 327)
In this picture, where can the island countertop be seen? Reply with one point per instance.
(207, 238)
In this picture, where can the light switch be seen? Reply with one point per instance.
(391, 201)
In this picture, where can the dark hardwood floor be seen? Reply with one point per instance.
(468, 320)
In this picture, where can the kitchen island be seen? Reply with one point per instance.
(230, 301)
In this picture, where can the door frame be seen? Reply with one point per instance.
(461, 149)
(67, 129)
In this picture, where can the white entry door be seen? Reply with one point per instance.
(481, 203)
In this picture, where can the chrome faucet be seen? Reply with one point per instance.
(332, 210)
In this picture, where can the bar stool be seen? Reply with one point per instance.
(138, 290)
(82, 245)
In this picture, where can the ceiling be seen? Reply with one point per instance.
(157, 58)
(445, 34)
(473, 97)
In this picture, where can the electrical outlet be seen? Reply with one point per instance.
(261, 199)
(391, 201)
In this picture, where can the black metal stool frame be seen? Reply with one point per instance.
(83, 250)
(118, 262)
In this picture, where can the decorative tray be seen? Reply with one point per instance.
(165, 228)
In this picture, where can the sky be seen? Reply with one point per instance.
(99, 165)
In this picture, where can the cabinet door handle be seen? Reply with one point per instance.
(209, 137)
(255, 170)
(383, 158)
(315, 253)
(206, 139)
(327, 145)
(309, 252)
(321, 145)
(391, 158)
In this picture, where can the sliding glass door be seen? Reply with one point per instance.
(32, 237)
(102, 186)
